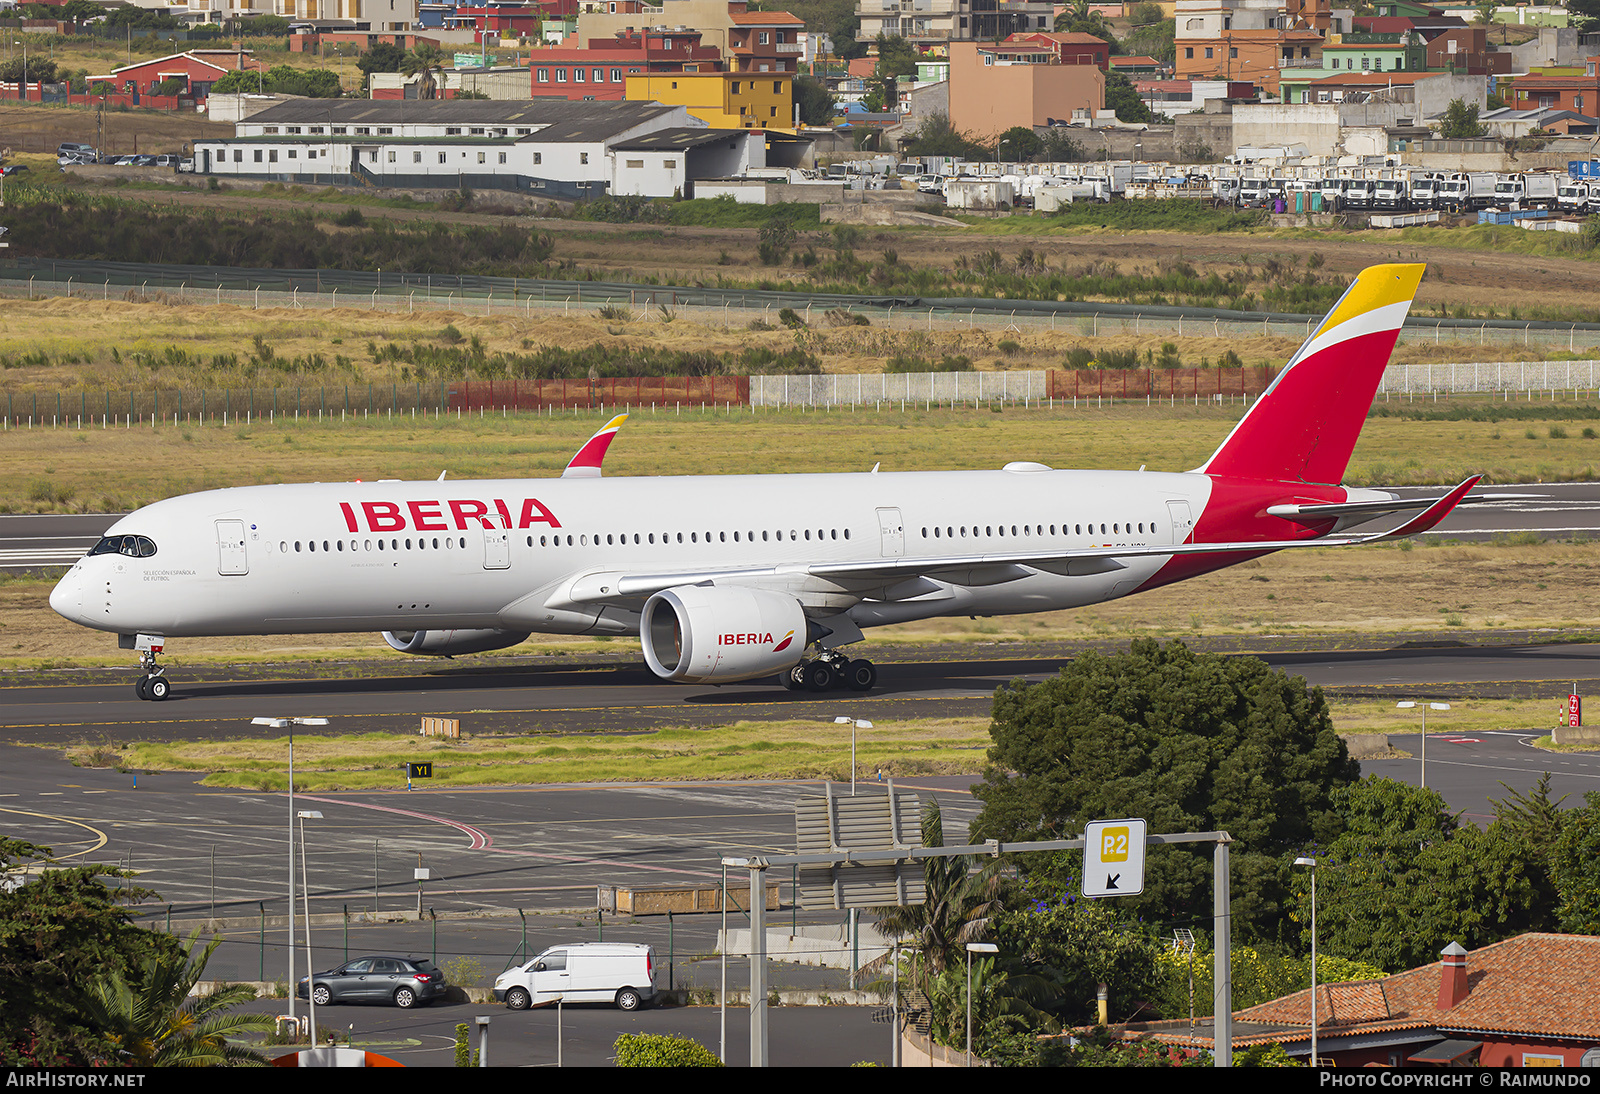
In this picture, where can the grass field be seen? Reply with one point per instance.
(744, 750)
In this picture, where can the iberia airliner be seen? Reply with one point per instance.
(727, 577)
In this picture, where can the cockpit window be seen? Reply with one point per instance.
(132, 546)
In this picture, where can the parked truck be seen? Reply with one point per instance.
(1466, 191)
(1525, 190)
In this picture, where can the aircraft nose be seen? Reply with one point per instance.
(66, 599)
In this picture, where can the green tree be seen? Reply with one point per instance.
(1123, 98)
(1405, 878)
(60, 930)
(1460, 122)
(383, 57)
(151, 1021)
(40, 70)
(1078, 18)
(816, 104)
(1018, 144)
(1190, 742)
(1080, 944)
(937, 137)
(1575, 866)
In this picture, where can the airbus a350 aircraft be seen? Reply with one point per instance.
(727, 578)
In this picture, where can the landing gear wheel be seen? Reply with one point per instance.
(141, 689)
(860, 675)
(794, 679)
(157, 688)
(819, 676)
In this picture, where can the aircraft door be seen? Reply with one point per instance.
(230, 548)
(497, 547)
(893, 532)
(1182, 521)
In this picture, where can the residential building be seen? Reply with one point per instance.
(1558, 90)
(1254, 55)
(926, 22)
(1350, 55)
(549, 148)
(723, 100)
(1466, 49)
(1530, 1001)
(764, 41)
(600, 71)
(993, 88)
(1429, 93)
(375, 15)
(604, 19)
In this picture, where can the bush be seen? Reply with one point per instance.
(656, 1050)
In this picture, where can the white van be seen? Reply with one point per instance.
(587, 972)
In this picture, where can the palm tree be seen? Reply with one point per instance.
(958, 908)
(427, 59)
(153, 1022)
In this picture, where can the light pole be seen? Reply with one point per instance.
(289, 724)
(305, 898)
(1422, 780)
(854, 724)
(1183, 943)
(1311, 864)
(972, 948)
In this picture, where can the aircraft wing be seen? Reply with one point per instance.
(989, 568)
(586, 464)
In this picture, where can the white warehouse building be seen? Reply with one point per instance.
(549, 147)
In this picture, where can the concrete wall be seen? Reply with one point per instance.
(236, 108)
(1214, 130)
(1315, 125)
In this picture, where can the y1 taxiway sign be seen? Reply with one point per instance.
(1113, 858)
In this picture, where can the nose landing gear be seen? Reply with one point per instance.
(154, 686)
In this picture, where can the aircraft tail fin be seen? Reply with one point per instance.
(1305, 425)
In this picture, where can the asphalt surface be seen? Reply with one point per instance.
(29, 542)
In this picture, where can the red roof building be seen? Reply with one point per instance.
(1071, 49)
(1538, 91)
(198, 68)
(1530, 1001)
(764, 41)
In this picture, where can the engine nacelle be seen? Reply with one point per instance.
(718, 634)
(450, 643)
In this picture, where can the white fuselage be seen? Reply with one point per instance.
(510, 553)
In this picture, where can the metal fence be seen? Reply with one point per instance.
(1028, 387)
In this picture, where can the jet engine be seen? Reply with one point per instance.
(450, 643)
(702, 634)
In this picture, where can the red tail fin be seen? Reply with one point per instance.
(1305, 424)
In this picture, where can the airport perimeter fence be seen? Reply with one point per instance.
(733, 308)
(1049, 388)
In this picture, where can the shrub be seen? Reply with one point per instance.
(657, 1050)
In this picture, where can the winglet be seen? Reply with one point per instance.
(1434, 513)
(586, 464)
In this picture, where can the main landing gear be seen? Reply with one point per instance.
(829, 671)
(155, 686)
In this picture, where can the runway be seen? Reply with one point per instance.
(37, 542)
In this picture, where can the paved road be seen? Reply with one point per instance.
(1571, 509)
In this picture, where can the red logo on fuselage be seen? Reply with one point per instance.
(441, 516)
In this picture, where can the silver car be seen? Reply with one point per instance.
(402, 981)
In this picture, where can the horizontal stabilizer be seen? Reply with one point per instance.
(1378, 508)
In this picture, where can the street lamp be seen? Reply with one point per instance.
(289, 724)
(1311, 864)
(854, 724)
(1422, 779)
(972, 948)
(305, 897)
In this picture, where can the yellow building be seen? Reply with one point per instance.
(723, 100)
